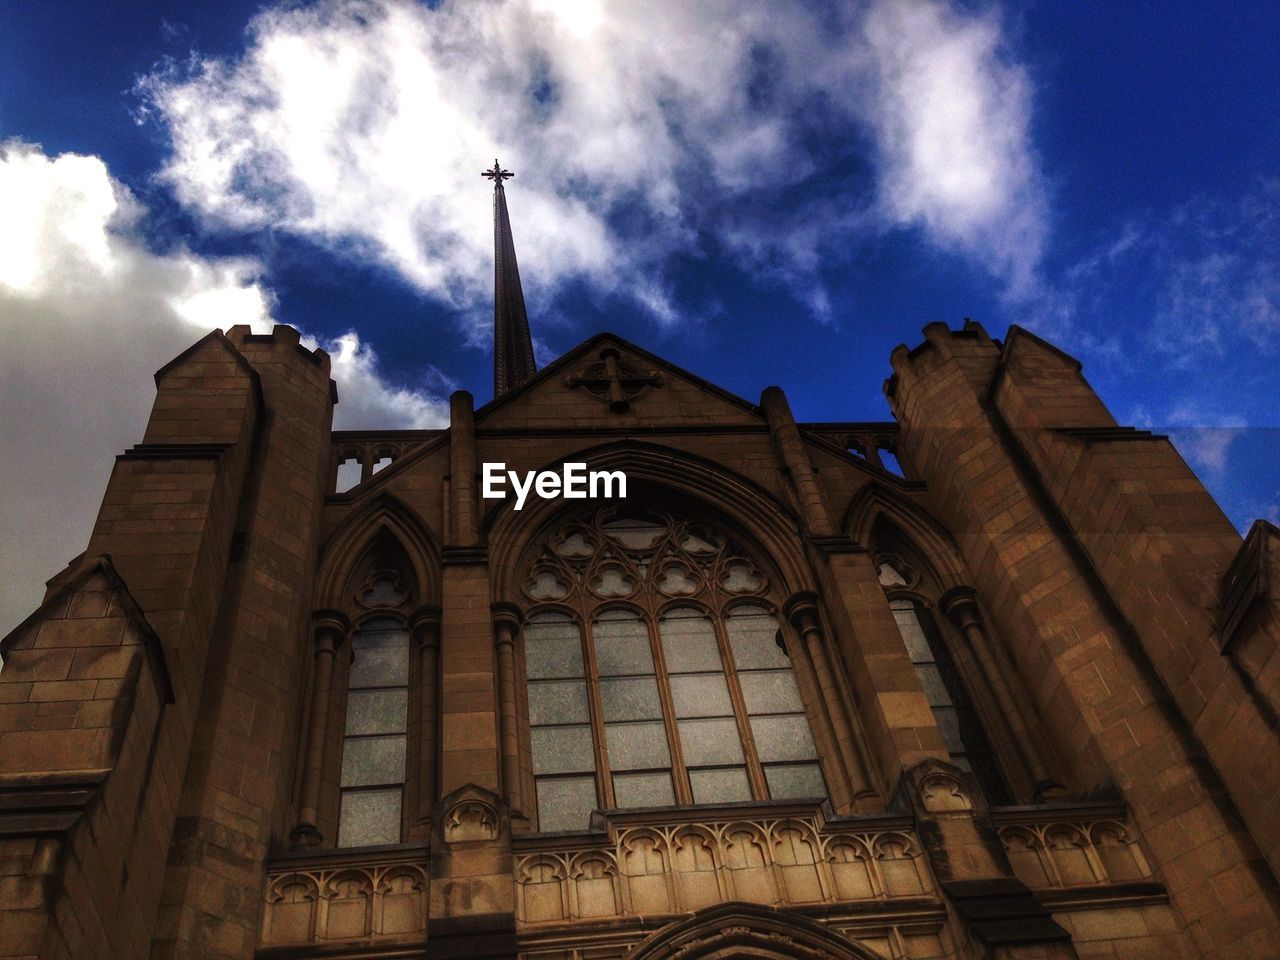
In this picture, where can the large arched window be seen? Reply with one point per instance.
(655, 673)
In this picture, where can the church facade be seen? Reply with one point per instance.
(996, 678)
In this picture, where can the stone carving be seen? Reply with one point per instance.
(894, 571)
(344, 903)
(649, 870)
(470, 820)
(611, 554)
(1063, 853)
(382, 588)
(942, 793)
(614, 379)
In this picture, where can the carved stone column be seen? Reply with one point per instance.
(802, 611)
(330, 628)
(424, 625)
(961, 606)
(506, 625)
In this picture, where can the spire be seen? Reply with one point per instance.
(512, 344)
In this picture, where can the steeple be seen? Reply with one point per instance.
(512, 344)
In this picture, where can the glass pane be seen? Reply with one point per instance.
(795, 781)
(368, 817)
(740, 578)
(949, 726)
(380, 659)
(783, 738)
(637, 746)
(565, 804)
(890, 577)
(934, 687)
(904, 611)
(701, 695)
(575, 545)
(720, 786)
(377, 711)
(676, 581)
(635, 699)
(558, 701)
(689, 642)
(612, 582)
(753, 637)
(644, 789)
(547, 586)
(372, 760)
(553, 649)
(622, 646)
(771, 691)
(562, 749)
(710, 741)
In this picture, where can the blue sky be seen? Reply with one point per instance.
(762, 193)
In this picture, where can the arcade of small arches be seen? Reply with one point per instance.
(644, 658)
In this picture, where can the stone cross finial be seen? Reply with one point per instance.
(497, 174)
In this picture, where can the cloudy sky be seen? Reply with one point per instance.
(772, 192)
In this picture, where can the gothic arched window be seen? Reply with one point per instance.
(953, 711)
(655, 673)
(375, 735)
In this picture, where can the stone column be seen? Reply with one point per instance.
(462, 469)
(424, 625)
(506, 625)
(802, 611)
(961, 606)
(330, 633)
(791, 451)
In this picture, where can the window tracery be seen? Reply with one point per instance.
(655, 672)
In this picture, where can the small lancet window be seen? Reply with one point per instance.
(375, 735)
(952, 709)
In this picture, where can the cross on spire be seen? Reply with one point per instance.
(497, 174)
(513, 361)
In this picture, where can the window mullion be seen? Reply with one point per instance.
(679, 775)
(755, 772)
(604, 777)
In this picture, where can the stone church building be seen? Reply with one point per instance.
(996, 678)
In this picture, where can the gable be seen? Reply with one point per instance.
(608, 383)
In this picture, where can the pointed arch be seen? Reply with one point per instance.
(385, 516)
(748, 929)
(876, 501)
(764, 523)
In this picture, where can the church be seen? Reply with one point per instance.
(994, 679)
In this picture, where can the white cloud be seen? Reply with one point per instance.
(1204, 437)
(87, 314)
(952, 121)
(367, 123)
(1220, 267)
(366, 401)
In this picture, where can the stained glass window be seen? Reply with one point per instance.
(374, 736)
(670, 686)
